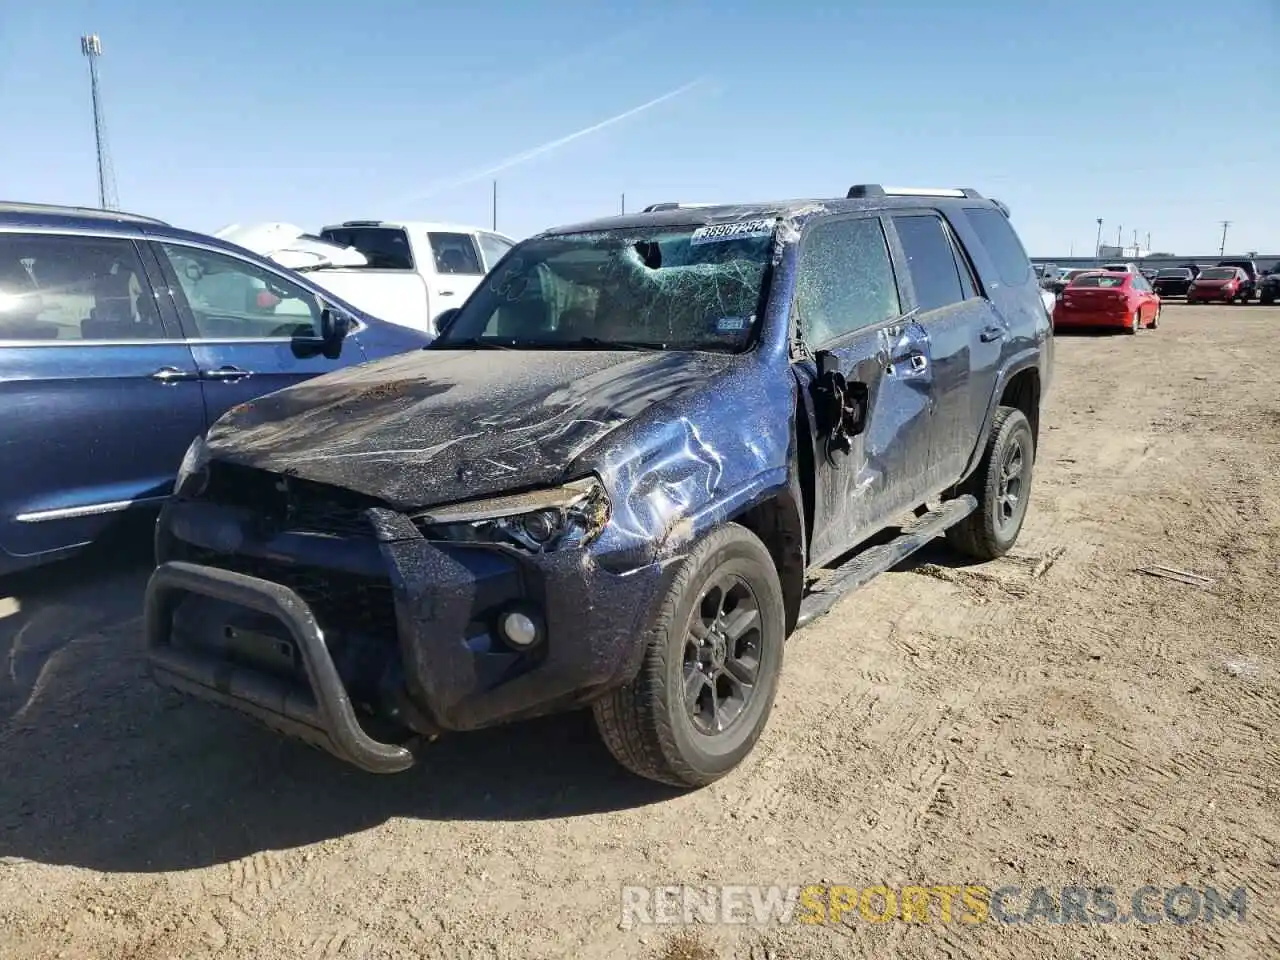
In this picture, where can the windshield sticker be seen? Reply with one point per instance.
(741, 230)
(731, 324)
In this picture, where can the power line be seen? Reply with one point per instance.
(91, 48)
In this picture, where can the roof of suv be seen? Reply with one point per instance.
(860, 197)
(59, 218)
(51, 214)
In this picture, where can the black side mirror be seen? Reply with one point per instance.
(335, 324)
(445, 320)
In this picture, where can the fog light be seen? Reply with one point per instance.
(519, 629)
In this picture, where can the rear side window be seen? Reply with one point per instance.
(455, 253)
(931, 261)
(1003, 246)
(74, 288)
(846, 279)
(386, 248)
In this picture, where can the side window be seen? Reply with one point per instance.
(493, 247)
(230, 298)
(74, 288)
(846, 279)
(455, 253)
(930, 261)
(1003, 246)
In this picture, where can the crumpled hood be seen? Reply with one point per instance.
(435, 426)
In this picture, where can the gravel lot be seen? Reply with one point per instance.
(1054, 717)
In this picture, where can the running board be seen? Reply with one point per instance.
(857, 571)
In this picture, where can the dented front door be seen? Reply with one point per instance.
(868, 388)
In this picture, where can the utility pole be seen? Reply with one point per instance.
(1119, 233)
(1222, 249)
(495, 206)
(1148, 241)
(624, 204)
(91, 49)
(1097, 246)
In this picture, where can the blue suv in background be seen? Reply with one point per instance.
(121, 340)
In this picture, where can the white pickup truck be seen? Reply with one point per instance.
(404, 272)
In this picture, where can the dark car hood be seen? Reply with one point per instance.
(436, 426)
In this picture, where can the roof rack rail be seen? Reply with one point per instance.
(671, 205)
(361, 223)
(89, 213)
(860, 191)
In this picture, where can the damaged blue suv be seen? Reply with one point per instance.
(642, 453)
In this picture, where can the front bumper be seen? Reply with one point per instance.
(356, 644)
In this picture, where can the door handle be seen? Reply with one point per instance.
(226, 373)
(446, 293)
(173, 375)
(919, 363)
(991, 333)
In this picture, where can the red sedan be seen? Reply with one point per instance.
(1218, 283)
(1106, 299)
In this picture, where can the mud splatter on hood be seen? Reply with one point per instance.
(441, 425)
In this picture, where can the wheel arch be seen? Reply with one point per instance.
(1019, 385)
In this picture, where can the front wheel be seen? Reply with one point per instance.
(710, 670)
(1002, 485)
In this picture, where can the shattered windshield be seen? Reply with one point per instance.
(661, 288)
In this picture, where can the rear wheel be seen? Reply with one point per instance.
(710, 670)
(1155, 319)
(1001, 484)
(1135, 323)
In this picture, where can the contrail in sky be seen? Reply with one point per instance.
(523, 157)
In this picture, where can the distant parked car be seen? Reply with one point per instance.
(1108, 299)
(1046, 273)
(1173, 281)
(1219, 284)
(121, 339)
(1067, 274)
(1249, 289)
(1122, 268)
(1269, 287)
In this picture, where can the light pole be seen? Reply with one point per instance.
(1222, 249)
(1097, 246)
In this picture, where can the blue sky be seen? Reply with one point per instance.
(1157, 116)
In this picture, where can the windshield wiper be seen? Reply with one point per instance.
(616, 344)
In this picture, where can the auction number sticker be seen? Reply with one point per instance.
(740, 230)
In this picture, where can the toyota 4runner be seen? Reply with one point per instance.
(609, 480)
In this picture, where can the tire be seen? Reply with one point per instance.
(991, 531)
(1136, 323)
(646, 724)
(1266, 300)
(1155, 320)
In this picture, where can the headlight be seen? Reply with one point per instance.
(193, 473)
(553, 519)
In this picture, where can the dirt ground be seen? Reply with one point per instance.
(1051, 718)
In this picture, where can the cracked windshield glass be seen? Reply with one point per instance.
(678, 288)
